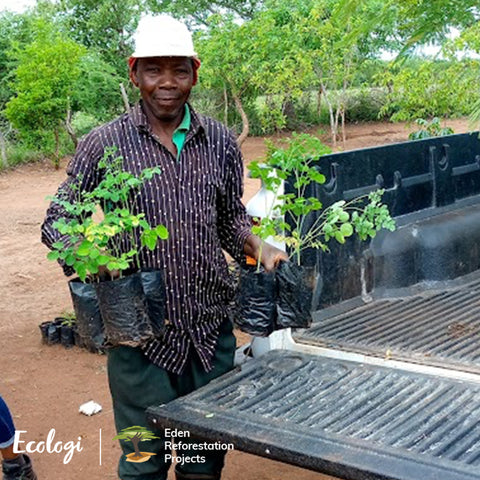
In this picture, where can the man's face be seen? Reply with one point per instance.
(165, 84)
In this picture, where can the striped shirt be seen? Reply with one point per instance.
(198, 198)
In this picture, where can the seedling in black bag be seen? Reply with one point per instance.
(290, 218)
(301, 222)
(95, 244)
(92, 243)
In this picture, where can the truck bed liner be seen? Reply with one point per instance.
(342, 418)
(440, 327)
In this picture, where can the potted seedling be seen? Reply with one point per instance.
(50, 331)
(89, 329)
(59, 330)
(131, 302)
(67, 329)
(301, 223)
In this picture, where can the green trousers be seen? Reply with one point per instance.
(136, 383)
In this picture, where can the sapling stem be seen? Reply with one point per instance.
(260, 250)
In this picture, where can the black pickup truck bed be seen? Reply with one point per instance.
(352, 419)
(438, 327)
(342, 418)
(386, 382)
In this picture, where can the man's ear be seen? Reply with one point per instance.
(133, 76)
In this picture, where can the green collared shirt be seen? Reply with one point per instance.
(180, 134)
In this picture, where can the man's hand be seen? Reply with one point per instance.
(270, 256)
(105, 274)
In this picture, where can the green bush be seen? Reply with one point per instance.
(211, 102)
(429, 128)
(365, 104)
(83, 123)
(271, 114)
(434, 89)
(20, 153)
(304, 112)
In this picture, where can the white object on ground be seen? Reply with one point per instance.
(90, 408)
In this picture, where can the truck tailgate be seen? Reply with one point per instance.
(342, 418)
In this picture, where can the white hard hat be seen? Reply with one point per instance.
(162, 36)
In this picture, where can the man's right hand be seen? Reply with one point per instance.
(270, 256)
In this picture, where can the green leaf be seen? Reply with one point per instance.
(339, 237)
(149, 239)
(70, 260)
(92, 267)
(112, 265)
(346, 229)
(103, 259)
(81, 270)
(84, 248)
(162, 231)
(53, 255)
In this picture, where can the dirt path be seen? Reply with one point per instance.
(45, 385)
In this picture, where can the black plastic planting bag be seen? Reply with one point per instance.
(124, 309)
(154, 288)
(88, 318)
(67, 338)
(51, 331)
(296, 285)
(255, 305)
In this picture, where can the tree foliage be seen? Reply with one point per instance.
(104, 26)
(197, 12)
(44, 81)
(426, 90)
(272, 60)
(96, 90)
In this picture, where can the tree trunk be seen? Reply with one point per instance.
(238, 103)
(344, 132)
(333, 117)
(3, 150)
(344, 102)
(136, 441)
(126, 103)
(56, 160)
(319, 102)
(225, 109)
(69, 128)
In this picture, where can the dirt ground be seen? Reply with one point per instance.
(44, 385)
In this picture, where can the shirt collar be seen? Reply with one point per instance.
(186, 121)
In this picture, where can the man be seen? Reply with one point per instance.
(198, 197)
